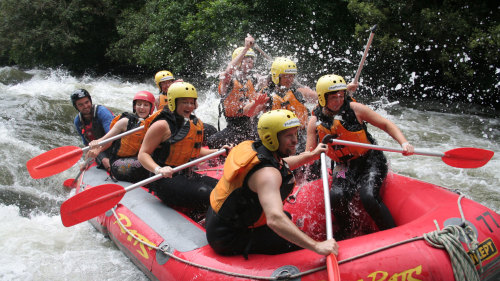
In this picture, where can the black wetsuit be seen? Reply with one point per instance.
(364, 175)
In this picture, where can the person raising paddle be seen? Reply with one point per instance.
(354, 169)
(123, 157)
(240, 102)
(91, 122)
(246, 213)
(174, 138)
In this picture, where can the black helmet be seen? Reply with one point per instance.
(79, 94)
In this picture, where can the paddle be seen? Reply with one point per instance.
(71, 183)
(62, 158)
(362, 62)
(464, 157)
(97, 200)
(332, 265)
(256, 47)
(268, 57)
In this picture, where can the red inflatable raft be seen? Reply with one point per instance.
(168, 245)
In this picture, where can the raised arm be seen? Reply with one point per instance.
(309, 94)
(255, 106)
(226, 76)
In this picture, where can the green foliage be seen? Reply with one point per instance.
(151, 36)
(438, 48)
(53, 33)
(213, 26)
(195, 37)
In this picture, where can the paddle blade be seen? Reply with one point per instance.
(70, 183)
(332, 267)
(53, 161)
(90, 203)
(467, 157)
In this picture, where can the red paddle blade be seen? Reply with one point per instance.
(332, 266)
(90, 203)
(467, 157)
(70, 183)
(53, 161)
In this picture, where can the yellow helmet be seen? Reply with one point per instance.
(180, 90)
(237, 51)
(163, 75)
(273, 122)
(329, 83)
(282, 66)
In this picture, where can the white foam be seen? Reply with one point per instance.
(41, 248)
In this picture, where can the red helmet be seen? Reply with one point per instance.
(146, 96)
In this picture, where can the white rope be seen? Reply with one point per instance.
(449, 239)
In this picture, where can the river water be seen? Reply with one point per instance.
(36, 116)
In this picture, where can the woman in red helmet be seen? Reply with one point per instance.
(124, 163)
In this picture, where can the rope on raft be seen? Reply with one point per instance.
(448, 238)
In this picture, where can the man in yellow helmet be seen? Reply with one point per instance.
(285, 93)
(240, 102)
(246, 213)
(355, 170)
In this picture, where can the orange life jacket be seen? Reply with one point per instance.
(232, 199)
(163, 101)
(129, 145)
(188, 148)
(337, 128)
(185, 142)
(151, 118)
(293, 101)
(234, 101)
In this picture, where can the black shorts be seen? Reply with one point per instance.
(185, 190)
(226, 239)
